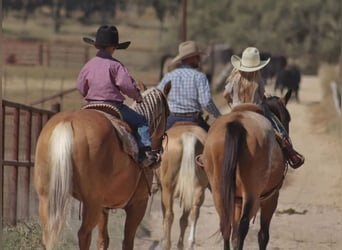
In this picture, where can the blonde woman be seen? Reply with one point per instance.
(245, 85)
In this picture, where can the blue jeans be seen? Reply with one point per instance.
(137, 122)
(276, 124)
(172, 119)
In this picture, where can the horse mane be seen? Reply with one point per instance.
(154, 104)
(277, 107)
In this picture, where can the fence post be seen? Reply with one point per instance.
(86, 54)
(27, 169)
(48, 56)
(13, 171)
(56, 107)
(1, 132)
(40, 54)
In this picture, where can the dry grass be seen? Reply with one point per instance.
(325, 117)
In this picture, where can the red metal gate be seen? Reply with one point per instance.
(21, 126)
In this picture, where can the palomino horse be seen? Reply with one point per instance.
(180, 176)
(80, 154)
(246, 168)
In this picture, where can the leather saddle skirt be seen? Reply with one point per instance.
(124, 131)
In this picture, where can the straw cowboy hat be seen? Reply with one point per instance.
(250, 60)
(185, 50)
(107, 36)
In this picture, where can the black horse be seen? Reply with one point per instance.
(276, 64)
(288, 78)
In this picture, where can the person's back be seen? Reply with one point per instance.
(190, 94)
(245, 85)
(105, 79)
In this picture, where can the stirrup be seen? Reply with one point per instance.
(151, 159)
(299, 160)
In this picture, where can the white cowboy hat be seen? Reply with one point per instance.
(250, 60)
(185, 50)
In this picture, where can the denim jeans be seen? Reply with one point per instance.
(276, 124)
(138, 124)
(172, 119)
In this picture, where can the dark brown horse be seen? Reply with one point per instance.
(79, 154)
(180, 177)
(246, 168)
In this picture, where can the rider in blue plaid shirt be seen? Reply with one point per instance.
(190, 92)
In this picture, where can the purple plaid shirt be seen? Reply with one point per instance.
(104, 78)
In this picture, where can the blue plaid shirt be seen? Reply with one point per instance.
(190, 91)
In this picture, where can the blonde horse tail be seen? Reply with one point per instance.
(187, 172)
(235, 135)
(60, 189)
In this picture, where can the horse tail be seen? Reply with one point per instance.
(60, 189)
(187, 172)
(235, 134)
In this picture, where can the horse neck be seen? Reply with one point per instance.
(154, 108)
(275, 106)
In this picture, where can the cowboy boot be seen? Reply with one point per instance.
(294, 158)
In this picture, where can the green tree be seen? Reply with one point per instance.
(286, 27)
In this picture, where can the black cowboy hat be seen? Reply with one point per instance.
(107, 36)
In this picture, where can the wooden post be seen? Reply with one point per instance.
(1, 132)
(56, 107)
(13, 171)
(41, 54)
(27, 170)
(184, 3)
(86, 54)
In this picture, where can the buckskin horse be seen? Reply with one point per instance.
(180, 177)
(79, 154)
(246, 168)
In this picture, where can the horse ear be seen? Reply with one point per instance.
(285, 99)
(167, 88)
(141, 86)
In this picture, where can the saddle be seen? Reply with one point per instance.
(124, 131)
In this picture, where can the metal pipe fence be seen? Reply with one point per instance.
(21, 126)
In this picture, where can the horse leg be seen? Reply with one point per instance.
(267, 209)
(168, 216)
(103, 238)
(183, 223)
(237, 216)
(194, 214)
(90, 217)
(226, 245)
(243, 225)
(43, 215)
(134, 215)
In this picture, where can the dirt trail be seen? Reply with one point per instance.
(309, 213)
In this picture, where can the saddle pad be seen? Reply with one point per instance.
(128, 141)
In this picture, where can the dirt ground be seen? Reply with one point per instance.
(309, 213)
